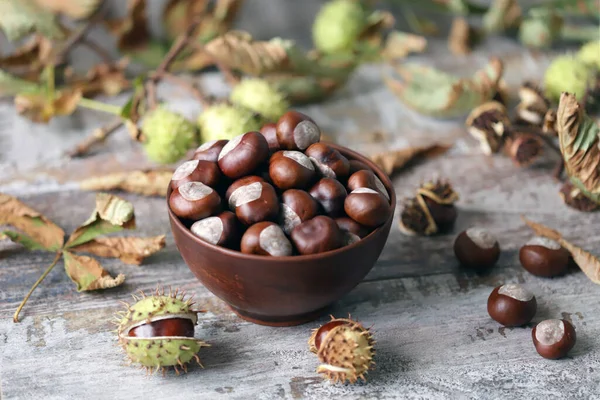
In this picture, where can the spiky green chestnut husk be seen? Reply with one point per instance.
(158, 352)
(538, 33)
(568, 74)
(589, 54)
(224, 121)
(168, 135)
(261, 97)
(338, 25)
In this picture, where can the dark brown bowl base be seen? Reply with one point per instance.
(290, 320)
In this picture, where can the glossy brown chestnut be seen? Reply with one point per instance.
(330, 162)
(194, 200)
(317, 235)
(203, 171)
(544, 257)
(554, 338)
(210, 151)
(330, 194)
(267, 239)
(269, 131)
(356, 166)
(476, 248)
(296, 131)
(241, 182)
(181, 327)
(290, 169)
(324, 330)
(511, 305)
(368, 207)
(366, 179)
(254, 202)
(243, 154)
(349, 225)
(296, 207)
(222, 230)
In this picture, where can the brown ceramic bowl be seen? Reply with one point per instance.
(283, 291)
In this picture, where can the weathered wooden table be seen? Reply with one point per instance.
(434, 336)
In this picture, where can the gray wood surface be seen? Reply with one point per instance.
(435, 339)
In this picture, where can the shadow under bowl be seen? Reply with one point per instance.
(283, 291)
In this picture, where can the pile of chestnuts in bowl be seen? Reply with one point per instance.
(277, 223)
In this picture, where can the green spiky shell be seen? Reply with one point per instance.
(261, 97)
(589, 53)
(567, 74)
(168, 135)
(224, 121)
(338, 25)
(159, 352)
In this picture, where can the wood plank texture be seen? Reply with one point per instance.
(435, 339)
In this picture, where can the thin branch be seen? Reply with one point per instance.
(99, 50)
(36, 284)
(150, 87)
(190, 86)
(98, 136)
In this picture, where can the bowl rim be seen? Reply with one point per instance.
(351, 155)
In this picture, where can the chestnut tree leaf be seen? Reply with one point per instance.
(111, 214)
(579, 139)
(132, 30)
(76, 9)
(38, 107)
(11, 85)
(88, 274)
(22, 17)
(130, 250)
(33, 55)
(147, 183)
(587, 262)
(22, 239)
(37, 228)
(436, 93)
(399, 44)
(394, 160)
(108, 79)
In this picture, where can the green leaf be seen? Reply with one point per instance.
(23, 239)
(112, 214)
(88, 274)
(21, 17)
(10, 85)
(587, 135)
(436, 93)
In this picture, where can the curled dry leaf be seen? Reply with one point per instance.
(147, 183)
(461, 38)
(29, 59)
(38, 231)
(132, 30)
(88, 274)
(433, 92)
(579, 138)
(22, 17)
(76, 9)
(108, 79)
(130, 250)
(38, 107)
(587, 262)
(573, 197)
(398, 45)
(111, 214)
(392, 161)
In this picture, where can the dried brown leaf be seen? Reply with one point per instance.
(587, 262)
(88, 274)
(130, 250)
(111, 214)
(30, 58)
(147, 183)
(36, 226)
(398, 45)
(38, 107)
(394, 160)
(132, 30)
(76, 9)
(108, 79)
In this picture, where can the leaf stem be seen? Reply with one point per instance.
(35, 285)
(99, 135)
(99, 106)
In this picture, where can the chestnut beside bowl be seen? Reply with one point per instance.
(283, 291)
